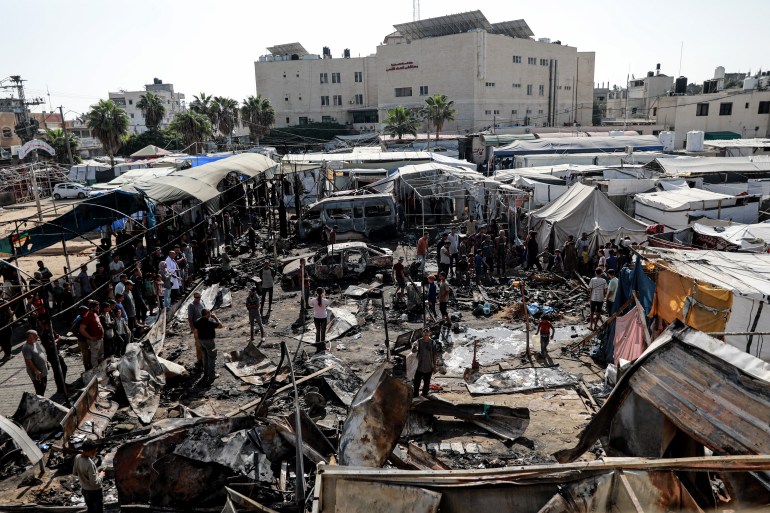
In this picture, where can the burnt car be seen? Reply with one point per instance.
(345, 260)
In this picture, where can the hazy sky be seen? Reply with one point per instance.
(81, 49)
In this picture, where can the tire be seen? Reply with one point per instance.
(57, 196)
(81, 195)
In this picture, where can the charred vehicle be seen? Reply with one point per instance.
(369, 215)
(343, 260)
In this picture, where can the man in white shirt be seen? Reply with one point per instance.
(597, 288)
(612, 290)
(454, 245)
(116, 268)
(173, 269)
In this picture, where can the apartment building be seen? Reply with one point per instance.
(174, 102)
(495, 74)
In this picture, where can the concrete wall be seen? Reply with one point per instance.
(678, 113)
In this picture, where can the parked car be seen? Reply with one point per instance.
(70, 190)
(345, 260)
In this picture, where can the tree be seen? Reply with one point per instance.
(194, 128)
(164, 138)
(227, 115)
(109, 123)
(204, 104)
(58, 141)
(437, 110)
(400, 122)
(152, 109)
(259, 115)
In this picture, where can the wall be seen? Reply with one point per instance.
(678, 113)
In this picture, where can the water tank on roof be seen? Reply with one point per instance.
(695, 140)
(650, 74)
(681, 85)
(719, 72)
(346, 53)
(666, 138)
(749, 83)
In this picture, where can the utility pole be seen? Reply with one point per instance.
(66, 136)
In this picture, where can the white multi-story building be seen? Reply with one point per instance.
(174, 102)
(639, 99)
(494, 73)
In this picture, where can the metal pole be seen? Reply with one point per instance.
(385, 318)
(299, 493)
(66, 137)
(526, 312)
(33, 180)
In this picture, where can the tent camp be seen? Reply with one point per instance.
(584, 209)
(580, 145)
(716, 292)
(150, 152)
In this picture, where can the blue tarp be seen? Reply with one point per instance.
(199, 160)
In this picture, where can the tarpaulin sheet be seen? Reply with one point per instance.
(671, 292)
(708, 308)
(520, 380)
(629, 335)
(580, 145)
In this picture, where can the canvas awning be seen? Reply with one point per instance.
(150, 151)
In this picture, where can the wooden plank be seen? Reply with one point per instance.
(631, 495)
(590, 397)
(282, 478)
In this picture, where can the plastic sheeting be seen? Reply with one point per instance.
(584, 209)
(629, 335)
(580, 145)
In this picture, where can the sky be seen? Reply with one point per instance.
(79, 50)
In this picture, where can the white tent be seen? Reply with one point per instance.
(748, 237)
(584, 209)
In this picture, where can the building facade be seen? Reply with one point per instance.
(496, 74)
(128, 100)
(639, 100)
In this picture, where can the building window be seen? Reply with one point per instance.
(532, 60)
(326, 119)
(336, 78)
(324, 101)
(490, 84)
(303, 120)
(286, 98)
(529, 89)
(540, 111)
(497, 112)
(337, 100)
(359, 99)
(130, 102)
(517, 59)
(633, 110)
(654, 111)
(726, 109)
(529, 111)
(544, 62)
(7, 132)
(764, 108)
(747, 105)
(702, 109)
(487, 112)
(324, 78)
(359, 76)
(403, 91)
(423, 90)
(287, 121)
(517, 86)
(541, 90)
(514, 112)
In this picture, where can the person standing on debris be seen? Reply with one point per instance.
(584, 259)
(122, 333)
(90, 479)
(252, 235)
(195, 312)
(36, 362)
(445, 259)
(268, 276)
(570, 257)
(432, 294)
(91, 328)
(120, 287)
(85, 353)
(443, 297)
(255, 316)
(442, 241)
(422, 252)
(533, 250)
(129, 305)
(470, 227)
(173, 270)
(546, 330)
(612, 290)
(319, 303)
(6, 330)
(598, 289)
(303, 281)
(163, 285)
(480, 266)
(108, 323)
(50, 342)
(399, 276)
(426, 363)
(501, 245)
(454, 249)
(488, 250)
(206, 327)
(558, 262)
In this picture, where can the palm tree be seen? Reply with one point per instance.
(400, 122)
(438, 109)
(194, 128)
(152, 109)
(227, 115)
(259, 115)
(58, 141)
(204, 104)
(109, 123)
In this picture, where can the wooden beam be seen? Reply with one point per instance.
(630, 491)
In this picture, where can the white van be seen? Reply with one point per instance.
(371, 215)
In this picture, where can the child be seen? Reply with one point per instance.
(481, 267)
(432, 294)
(546, 331)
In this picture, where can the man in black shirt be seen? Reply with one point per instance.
(206, 328)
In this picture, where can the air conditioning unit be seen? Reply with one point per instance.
(352, 102)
